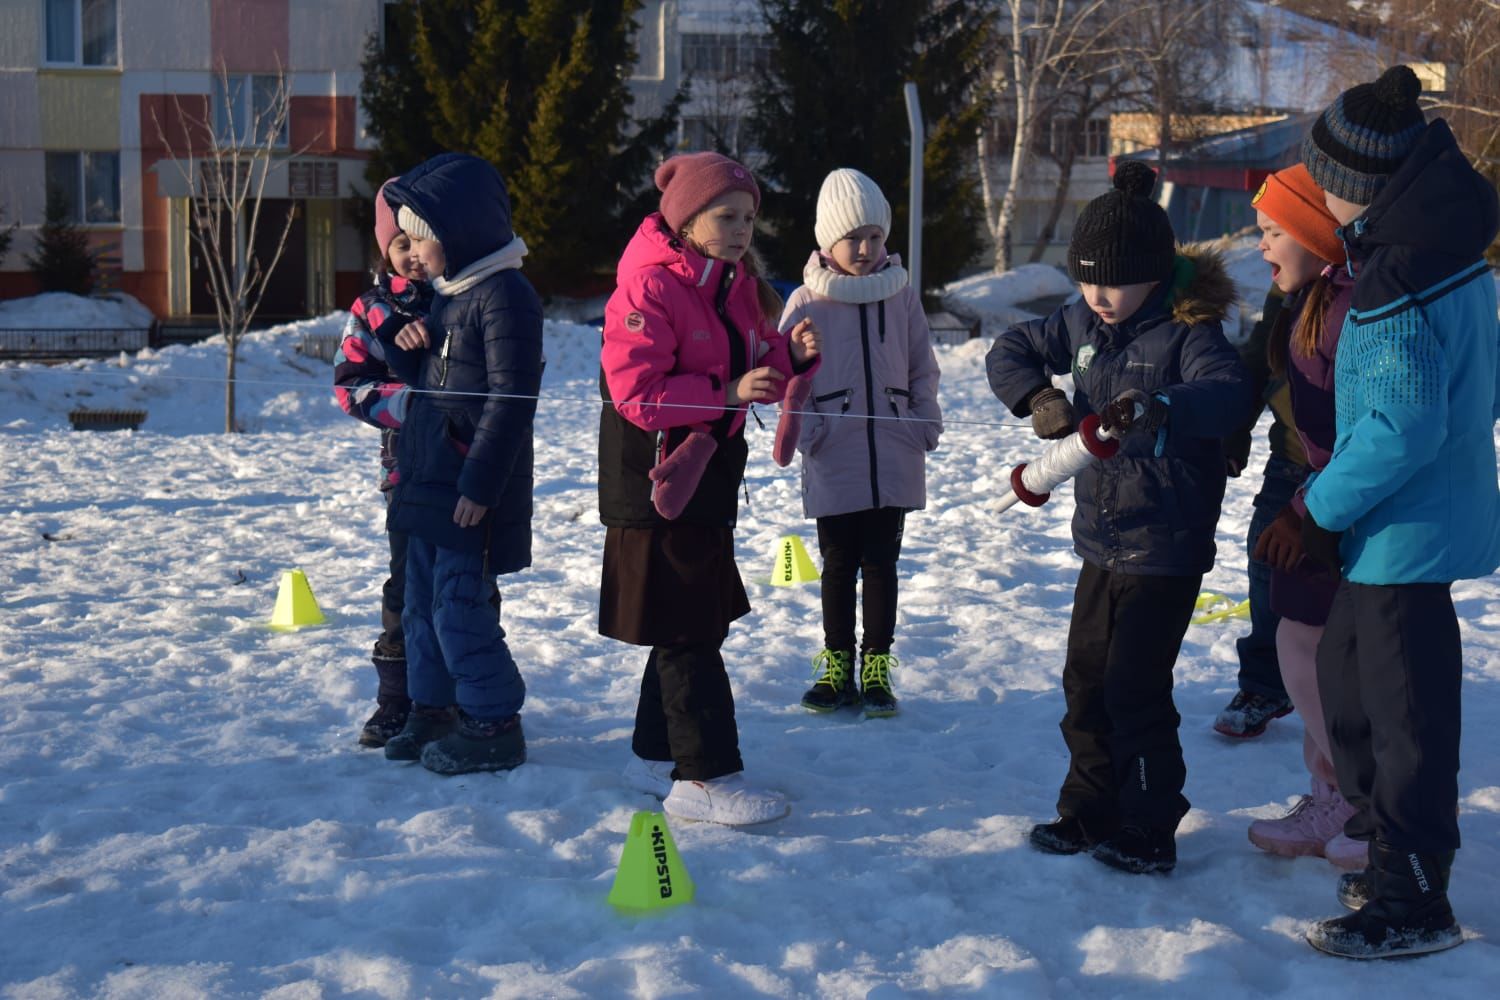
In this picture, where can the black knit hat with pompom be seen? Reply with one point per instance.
(1123, 237)
(1362, 137)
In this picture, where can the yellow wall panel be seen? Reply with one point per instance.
(79, 110)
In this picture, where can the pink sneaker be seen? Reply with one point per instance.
(1313, 821)
(1346, 853)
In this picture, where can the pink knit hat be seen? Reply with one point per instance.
(690, 182)
(385, 219)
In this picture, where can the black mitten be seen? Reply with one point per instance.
(1133, 410)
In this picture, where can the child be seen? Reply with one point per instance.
(1408, 502)
(688, 342)
(860, 476)
(1260, 696)
(1300, 240)
(368, 390)
(465, 460)
(1148, 356)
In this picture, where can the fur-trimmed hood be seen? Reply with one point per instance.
(1207, 291)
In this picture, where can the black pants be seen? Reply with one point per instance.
(1389, 672)
(389, 655)
(865, 544)
(1121, 724)
(686, 712)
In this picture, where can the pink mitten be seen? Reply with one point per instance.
(789, 427)
(675, 478)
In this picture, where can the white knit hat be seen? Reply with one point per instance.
(847, 201)
(414, 225)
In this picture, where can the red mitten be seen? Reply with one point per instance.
(675, 478)
(789, 427)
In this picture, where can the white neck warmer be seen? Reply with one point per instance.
(851, 288)
(507, 257)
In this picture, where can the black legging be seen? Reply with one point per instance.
(864, 544)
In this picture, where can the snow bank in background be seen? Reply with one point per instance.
(994, 298)
(65, 311)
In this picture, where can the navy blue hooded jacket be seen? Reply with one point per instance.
(1141, 512)
(486, 344)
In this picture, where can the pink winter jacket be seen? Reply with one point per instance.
(664, 341)
(877, 362)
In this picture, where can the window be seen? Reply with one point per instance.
(1091, 140)
(725, 55)
(81, 33)
(1096, 137)
(89, 183)
(245, 108)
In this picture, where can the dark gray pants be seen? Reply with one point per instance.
(1389, 672)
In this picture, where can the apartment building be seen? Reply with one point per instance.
(93, 100)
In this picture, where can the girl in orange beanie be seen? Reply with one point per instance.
(1300, 242)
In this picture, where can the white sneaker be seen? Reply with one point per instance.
(729, 800)
(654, 777)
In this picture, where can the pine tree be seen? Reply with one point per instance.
(537, 87)
(62, 260)
(6, 234)
(395, 103)
(834, 98)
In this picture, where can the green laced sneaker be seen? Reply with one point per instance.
(834, 685)
(875, 679)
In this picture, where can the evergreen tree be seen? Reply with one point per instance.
(537, 87)
(834, 98)
(6, 234)
(62, 260)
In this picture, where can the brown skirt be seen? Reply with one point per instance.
(670, 585)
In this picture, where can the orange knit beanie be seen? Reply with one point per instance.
(1295, 202)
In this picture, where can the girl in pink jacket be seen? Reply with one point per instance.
(689, 342)
(872, 417)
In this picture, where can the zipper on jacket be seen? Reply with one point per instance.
(443, 359)
(846, 394)
(864, 343)
(890, 397)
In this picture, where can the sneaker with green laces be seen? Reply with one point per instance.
(875, 680)
(834, 685)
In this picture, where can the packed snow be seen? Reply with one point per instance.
(65, 311)
(186, 814)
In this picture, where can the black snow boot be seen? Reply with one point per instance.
(1139, 850)
(1407, 914)
(424, 724)
(875, 684)
(1247, 715)
(1358, 888)
(477, 745)
(833, 686)
(392, 703)
(1068, 835)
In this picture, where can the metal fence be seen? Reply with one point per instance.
(322, 346)
(32, 344)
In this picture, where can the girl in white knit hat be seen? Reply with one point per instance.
(864, 422)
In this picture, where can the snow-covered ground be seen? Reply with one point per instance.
(184, 811)
(63, 311)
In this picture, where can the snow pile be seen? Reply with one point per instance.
(65, 311)
(995, 298)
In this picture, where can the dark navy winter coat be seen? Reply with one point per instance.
(487, 344)
(1142, 512)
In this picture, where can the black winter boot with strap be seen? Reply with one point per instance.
(1407, 913)
(833, 684)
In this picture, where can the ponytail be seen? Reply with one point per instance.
(1312, 321)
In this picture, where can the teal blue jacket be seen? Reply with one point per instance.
(1412, 481)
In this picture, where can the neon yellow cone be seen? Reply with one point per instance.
(295, 605)
(1216, 607)
(793, 564)
(651, 875)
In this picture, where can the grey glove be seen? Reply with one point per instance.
(1051, 413)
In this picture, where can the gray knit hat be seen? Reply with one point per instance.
(1364, 135)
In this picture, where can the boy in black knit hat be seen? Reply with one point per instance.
(1148, 355)
(1407, 504)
